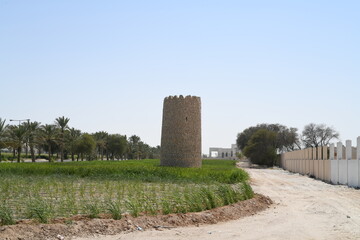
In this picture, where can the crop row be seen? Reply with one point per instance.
(50, 198)
(45, 191)
(213, 171)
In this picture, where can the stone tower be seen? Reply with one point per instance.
(181, 132)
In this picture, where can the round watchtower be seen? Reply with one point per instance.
(181, 132)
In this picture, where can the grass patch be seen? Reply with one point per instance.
(92, 209)
(6, 215)
(114, 208)
(44, 191)
(144, 170)
(39, 209)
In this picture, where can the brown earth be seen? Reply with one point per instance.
(80, 226)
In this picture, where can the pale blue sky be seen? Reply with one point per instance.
(107, 65)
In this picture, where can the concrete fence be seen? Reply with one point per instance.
(335, 164)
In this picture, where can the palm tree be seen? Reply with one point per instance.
(3, 128)
(101, 140)
(17, 137)
(134, 147)
(49, 134)
(62, 123)
(26, 124)
(73, 136)
(33, 132)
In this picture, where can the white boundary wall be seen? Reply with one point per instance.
(338, 165)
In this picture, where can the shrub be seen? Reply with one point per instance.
(261, 148)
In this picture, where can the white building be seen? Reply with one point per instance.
(224, 153)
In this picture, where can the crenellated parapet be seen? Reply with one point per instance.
(182, 98)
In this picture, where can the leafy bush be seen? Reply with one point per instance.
(261, 148)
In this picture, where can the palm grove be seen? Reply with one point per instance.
(59, 141)
(262, 143)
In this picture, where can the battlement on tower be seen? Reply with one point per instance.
(181, 97)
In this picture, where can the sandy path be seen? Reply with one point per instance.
(304, 209)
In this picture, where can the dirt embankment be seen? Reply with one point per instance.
(91, 227)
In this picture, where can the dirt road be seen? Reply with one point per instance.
(304, 209)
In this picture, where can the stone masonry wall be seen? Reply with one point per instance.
(181, 132)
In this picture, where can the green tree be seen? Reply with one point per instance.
(287, 139)
(32, 136)
(86, 145)
(72, 136)
(116, 146)
(155, 152)
(48, 135)
(101, 139)
(3, 128)
(144, 150)
(17, 136)
(261, 148)
(244, 137)
(134, 147)
(62, 123)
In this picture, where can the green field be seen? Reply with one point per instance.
(44, 191)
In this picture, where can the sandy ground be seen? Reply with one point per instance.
(304, 209)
